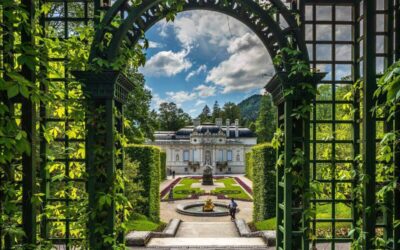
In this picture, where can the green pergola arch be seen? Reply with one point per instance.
(138, 19)
(124, 25)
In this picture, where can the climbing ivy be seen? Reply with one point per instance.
(61, 103)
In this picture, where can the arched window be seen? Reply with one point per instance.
(177, 157)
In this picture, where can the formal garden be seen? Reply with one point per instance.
(224, 188)
(75, 114)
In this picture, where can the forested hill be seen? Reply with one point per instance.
(250, 107)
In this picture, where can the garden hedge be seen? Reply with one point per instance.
(163, 165)
(264, 194)
(249, 165)
(148, 158)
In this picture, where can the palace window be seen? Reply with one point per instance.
(186, 155)
(221, 155)
(229, 155)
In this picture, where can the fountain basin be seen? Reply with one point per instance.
(196, 209)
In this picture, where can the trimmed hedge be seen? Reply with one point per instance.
(163, 165)
(264, 189)
(249, 165)
(148, 158)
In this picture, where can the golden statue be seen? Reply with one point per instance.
(208, 206)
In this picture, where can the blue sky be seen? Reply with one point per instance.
(203, 57)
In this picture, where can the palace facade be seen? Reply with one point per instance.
(191, 149)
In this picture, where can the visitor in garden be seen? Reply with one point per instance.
(171, 194)
(232, 209)
(173, 174)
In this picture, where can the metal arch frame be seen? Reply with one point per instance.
(141, 18)
(133, 21)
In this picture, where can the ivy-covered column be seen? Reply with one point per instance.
(105, 92)
(28, 123)
(369, 125)
(293, 98)
(396, 160)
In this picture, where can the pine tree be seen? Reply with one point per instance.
(217, 112)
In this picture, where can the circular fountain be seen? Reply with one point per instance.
(204, 209)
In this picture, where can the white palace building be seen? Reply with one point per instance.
(191, 149)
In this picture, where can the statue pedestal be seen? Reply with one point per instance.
(208, 176)
(208, 180)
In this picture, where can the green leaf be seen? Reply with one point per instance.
(24, 91)
(13, 90)
(394, 90)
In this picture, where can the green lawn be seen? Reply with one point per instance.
(323, 212)
(141, 223)
(185, 190)
(230, 190)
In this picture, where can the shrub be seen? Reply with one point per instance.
(264, 194)
(148, 158)
(249, 165)
(163, 165)
(133, 189)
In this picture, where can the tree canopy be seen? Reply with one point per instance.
(265, 124)
(172, 118)
(141, 121)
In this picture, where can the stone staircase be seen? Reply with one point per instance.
(207, 235)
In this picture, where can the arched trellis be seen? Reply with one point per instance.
(138, 19)
(276, 27)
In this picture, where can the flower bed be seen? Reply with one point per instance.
(165, 191)
(244, 185)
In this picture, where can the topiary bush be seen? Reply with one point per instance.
(149, 176)
(249, 165)
(264, 194)
(163, 165)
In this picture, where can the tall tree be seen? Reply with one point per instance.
(205, 115)
(266, 121)
(172, 118)
(217, 112)
(231, 111)
(141, 123)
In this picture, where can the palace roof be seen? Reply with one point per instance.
(214, 130)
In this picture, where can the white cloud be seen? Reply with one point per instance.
(180, 97)
(155, 45)
(246, 68)
(167, 63)
(156, 101)
(203, 27)
(200, 103)
(206, 91)
(202, 68)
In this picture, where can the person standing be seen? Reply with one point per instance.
(173, 174)
(232, 209)
(171, 195)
